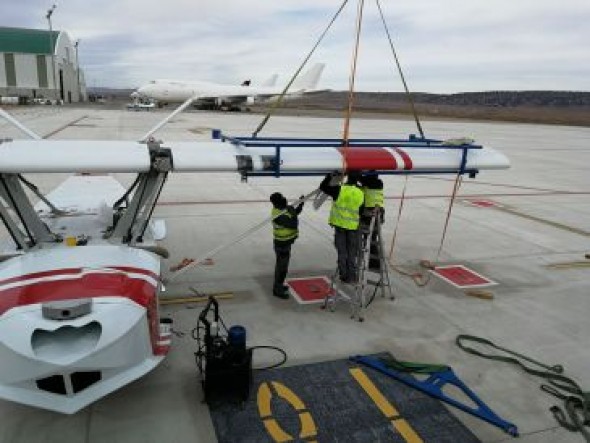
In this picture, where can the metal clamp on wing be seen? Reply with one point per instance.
(160, 158)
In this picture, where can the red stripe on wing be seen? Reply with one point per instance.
(357, 159)
(407, 160)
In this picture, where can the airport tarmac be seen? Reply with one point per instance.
(540, 216)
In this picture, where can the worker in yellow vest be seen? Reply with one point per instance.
(373, 191)
(372, 187)
(347, 208)
(285, 232)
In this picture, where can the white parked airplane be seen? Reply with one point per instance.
(80, 283)
(228, 97)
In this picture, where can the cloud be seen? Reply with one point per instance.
(448, 46)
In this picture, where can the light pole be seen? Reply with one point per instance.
(78, 70)
(52, 49)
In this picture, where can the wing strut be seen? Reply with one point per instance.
(170, 117)
(35, 189)
(18, 124)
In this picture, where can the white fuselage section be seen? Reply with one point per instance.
(67, 363)
(78, 318)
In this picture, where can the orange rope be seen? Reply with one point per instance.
(456, 187)
(418, 276)
(346, 130)
(399, 216)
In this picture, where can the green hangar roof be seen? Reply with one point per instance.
(29, 41)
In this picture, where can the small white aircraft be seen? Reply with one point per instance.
(80, 282)
(226, 97)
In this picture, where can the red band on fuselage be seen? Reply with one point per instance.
(358, 159)
(74, 271)
(79, 283)
(87, 286)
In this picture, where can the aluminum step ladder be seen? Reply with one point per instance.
(376, 262)
(371, 259)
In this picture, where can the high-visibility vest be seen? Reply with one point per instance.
(345, 209)
(373, 197)
(280, 232)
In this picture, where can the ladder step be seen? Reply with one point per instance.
(376, 283)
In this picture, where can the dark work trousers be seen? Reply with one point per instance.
(283, 254)
(347, 244)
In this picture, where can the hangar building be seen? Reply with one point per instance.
(26, 57)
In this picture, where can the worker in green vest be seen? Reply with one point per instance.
(285, 232)
(372, 187)
(347, 208)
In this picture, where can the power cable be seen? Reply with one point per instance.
(276, 365)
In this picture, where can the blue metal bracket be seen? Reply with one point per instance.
(277, 144)
(433, 386)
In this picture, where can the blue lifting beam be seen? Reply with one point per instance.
(433, 386)
(276, 144)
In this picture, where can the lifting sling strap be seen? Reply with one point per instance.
(576, 401)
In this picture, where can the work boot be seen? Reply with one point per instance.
(284, 295)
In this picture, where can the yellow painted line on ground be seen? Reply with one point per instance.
(275, 431)
(308, 428)
(288, 395)
(569, 265)
(544, 221)
(400, 424)
(264, 399)
(195, 299)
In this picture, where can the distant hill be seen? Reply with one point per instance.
(548, 107)
(378, 100)
(551, 107)
(509, 98)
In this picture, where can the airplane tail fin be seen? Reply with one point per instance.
(310, 79)
(271, 81)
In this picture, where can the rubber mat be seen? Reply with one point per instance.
(326, 402)
(307, 290)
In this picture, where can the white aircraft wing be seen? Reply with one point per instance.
(36, 156)
(223, 156)
(216, 156)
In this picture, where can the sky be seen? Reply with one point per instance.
(445, 46)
